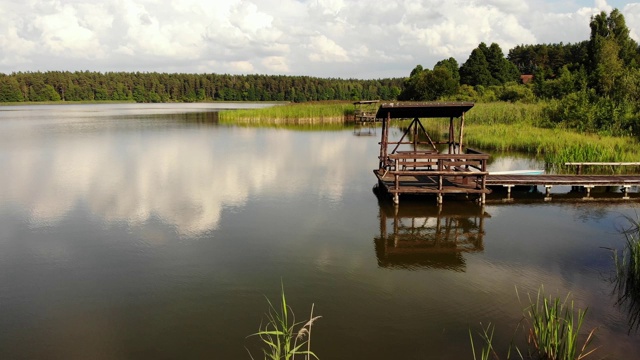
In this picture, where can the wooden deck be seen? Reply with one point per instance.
(570, 180)
(428, 182)
(587, 182)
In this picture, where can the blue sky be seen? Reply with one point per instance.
(327, 38)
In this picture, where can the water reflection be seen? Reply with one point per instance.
(182, 169)
(419, 235)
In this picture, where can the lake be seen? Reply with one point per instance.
(151, 231)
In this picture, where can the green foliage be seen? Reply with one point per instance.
(162, 87)
(429, 85)
(555, 327)
(475, 71)
(519, 127)
(610, 50)
(487, 66)
(451, 65)
(10, 90)
(563, 83)
(627, 275)
(530, 59)
(325, 112)
(585, 111)
(279, 336)
(486, 335)
(552, 330)
(513, 92)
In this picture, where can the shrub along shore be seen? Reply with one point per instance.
(497, 126)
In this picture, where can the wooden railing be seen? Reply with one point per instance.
(460, 168)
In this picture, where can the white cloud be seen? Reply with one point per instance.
(323, 49)
(357, 38)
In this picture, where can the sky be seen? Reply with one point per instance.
(363, 39)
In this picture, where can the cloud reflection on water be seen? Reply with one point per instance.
(184, 176)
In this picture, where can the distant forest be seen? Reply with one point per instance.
(162, 87)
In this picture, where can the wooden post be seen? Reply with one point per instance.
(461, 134)
(415, 134)
(451, 137)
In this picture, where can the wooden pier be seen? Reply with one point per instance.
(588, 182)
(406, 167)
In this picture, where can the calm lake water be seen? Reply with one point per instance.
(150, 231)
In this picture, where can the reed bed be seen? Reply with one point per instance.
(554, 327)
(627, 276)
(506, 113)
(311, 112)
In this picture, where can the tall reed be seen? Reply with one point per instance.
(627, 279)
(279, 336)
(552, 327)
(311, 112)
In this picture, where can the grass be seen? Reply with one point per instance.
(278, 335)
(552, 330)
(554, 327)
(627, 276)
(555, 146)
(301, 113)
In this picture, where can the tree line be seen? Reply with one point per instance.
(163, 87)
(591, 86)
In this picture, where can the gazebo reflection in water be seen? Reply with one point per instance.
(416, 235)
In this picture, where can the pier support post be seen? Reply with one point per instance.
(508, 199)
(547, 193)
(483, 198)
(439, 199)
(396, 198)
(625, 193)
(588, 188)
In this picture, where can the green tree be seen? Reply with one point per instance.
(10, 90)
(427, 85)
(609, 67)
(502, 70)
(610, 51)
(451, 65)
(475, 71)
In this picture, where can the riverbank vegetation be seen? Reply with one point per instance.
(304, 113)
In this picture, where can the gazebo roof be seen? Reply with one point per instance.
(412, 110)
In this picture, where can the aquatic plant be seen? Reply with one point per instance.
(278, 334)
(552, 327)
(303, 113)
(627, 275)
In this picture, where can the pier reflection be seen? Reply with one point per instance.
(421, 235)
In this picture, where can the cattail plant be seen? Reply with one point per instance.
(279, 336)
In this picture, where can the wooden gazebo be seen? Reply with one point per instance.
(413, 165)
